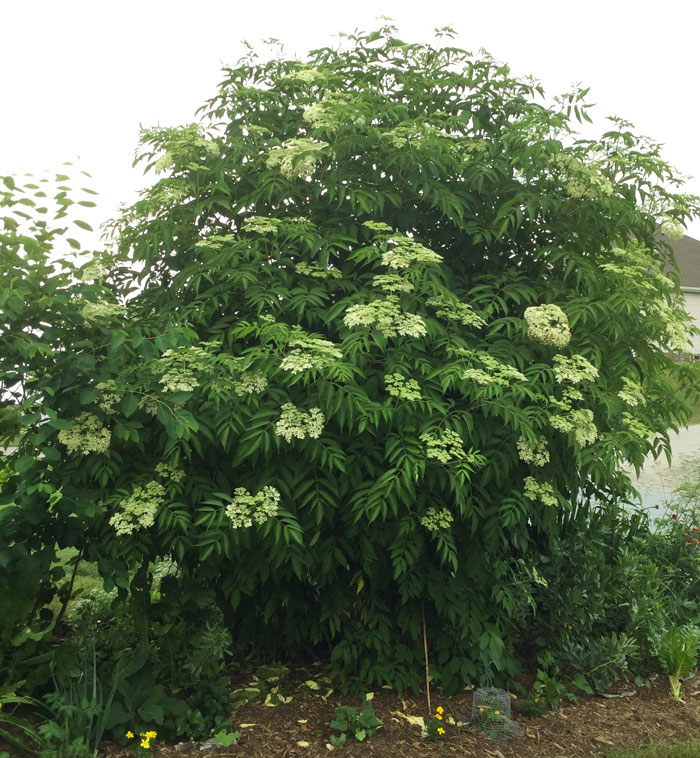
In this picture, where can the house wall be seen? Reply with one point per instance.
(692, 305)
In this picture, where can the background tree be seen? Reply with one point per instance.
(384, 331)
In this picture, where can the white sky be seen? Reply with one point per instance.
(79, 77)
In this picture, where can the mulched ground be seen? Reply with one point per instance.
(592, 727)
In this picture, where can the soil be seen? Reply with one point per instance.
(592, 727)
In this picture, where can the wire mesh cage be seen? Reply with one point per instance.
(491, 714)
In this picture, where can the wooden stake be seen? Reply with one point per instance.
(427, 667)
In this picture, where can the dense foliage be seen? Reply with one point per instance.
(379, 340)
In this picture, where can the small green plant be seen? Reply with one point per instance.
(142, 741)
(533, 706)
(15, 730)
(435, 728)
(226, 739)
(676, 650)
(548, 686)
(492, 722)
(348, 722)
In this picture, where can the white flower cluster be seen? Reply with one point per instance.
(461, 312)
(404, 389)
(631, 393)
(330, 113)
(93, 271)
(310, 353)
(574, 369)
(387, 316)
(312, 269)
(249, 383)
(672, 229)
(635, 426)
(493, 372)
(138, 510)
(86, 435)
(674, 323)
(168, 471)
(101, 311)
(109, 395)
(392, 283)
(536, 453)
(548, 325)
(178, 368)
(580, 422)
(297, 157)
(149, 404)
(445, 447)
(542, 491)
(582, 180)
(434, 520)
(405, 252)
(261, 225)
(246, 509)
(306, 75)
(297, 423)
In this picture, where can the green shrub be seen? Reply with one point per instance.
(378, 340)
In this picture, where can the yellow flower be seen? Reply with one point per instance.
(438, 717)
(481, 710)
(130, 735)
(440, 730)
(498, 713)
(570, 627)
(145, 743)
(440, 709)
(537, 700)
(151, 735)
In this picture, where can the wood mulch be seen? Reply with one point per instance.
(592, 727)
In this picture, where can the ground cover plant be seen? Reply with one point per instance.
(357, 377)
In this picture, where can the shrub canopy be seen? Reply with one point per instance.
(380, 333)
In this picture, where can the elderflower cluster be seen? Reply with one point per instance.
(580, 422)
(101, 311)
(249, 383)
(331, 112)
(635, 426)
(574, 369)
(178, 369)
(535, 453)
(387, 316)
(542, 491)
(582, 180)
(493, 371)
(109, 395)
(672, 229)
(548, 325)
(297, 423)
(86, 435)
(93, 272)
(168, 471)
(261, 225)
(138, 510)
(246, 509)
(404, 389)
(319, 272)
(149, 404)
(306, 75)
(405, 252)
(309, 353)
(631, 392)
(444, 447)
(434, 519)
(674, 324)
(392, 283)
(461, 312)
(297, 157)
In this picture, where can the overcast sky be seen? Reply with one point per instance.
(79, 77)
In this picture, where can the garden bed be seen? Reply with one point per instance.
(592, 727)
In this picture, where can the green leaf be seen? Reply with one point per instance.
(130, 403)
(24, 463)
(83, 225)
